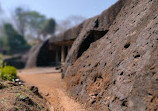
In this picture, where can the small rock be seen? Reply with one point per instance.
(17, 80)
(34, 89)
(1, 86)
(47, 94)
(11, 84)
(57, 68)
(20, 83)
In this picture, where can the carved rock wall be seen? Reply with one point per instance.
(118, 72)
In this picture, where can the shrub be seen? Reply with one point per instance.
(1, 61)
(8, 73)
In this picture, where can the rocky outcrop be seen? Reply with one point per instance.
(41, 55)
(118, 72)
(68, 35)
(16, 61)
(45, 53)
(31, 57)
(92, 30)
(84, 34)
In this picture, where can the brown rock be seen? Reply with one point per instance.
(93, 29)
(1, 86)
(119, 71)
(34, 89)
(32, 56)
(41, 55)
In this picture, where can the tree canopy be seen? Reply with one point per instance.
(0, 8)
(48, 27)
(29, 22)
(14, 41)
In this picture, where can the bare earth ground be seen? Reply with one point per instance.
(50, 84)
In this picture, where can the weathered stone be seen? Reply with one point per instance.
(32, 56)
(34, 89)
(119, 71)
(41, 55)
(92, 30)
(1, 86)
(86, 33)
(16, 61)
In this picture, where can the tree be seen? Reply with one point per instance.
(48, 27)
(20, 20)
(1, 43)
(0, 8)
(1, 13)
(35, 20)
(29, 22)
(14, 41)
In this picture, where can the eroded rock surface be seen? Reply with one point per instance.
(119, 72)
(92, 30)
(41, 55)
(31, 57)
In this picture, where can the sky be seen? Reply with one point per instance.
(59, 9)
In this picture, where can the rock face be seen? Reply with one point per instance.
(31, 58)
(41, 55)
(118, 72)
(92, 30)
(84, 34)
(48, 53)
(16, 61)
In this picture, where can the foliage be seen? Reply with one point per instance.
(14, 41)
(0, 8)
(35, 20)
(1, 61)
(20, 20)
(1, 42)
(48, 27)
(29, 22)
(8, 73)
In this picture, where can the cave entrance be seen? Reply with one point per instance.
(93, 36)
(64, 53)
(46, 56)
(53, 54)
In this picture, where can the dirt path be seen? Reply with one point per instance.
(50, 85)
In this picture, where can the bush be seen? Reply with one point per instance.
(8, 73)
(1, 61)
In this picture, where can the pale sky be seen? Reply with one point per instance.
(60, 9)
